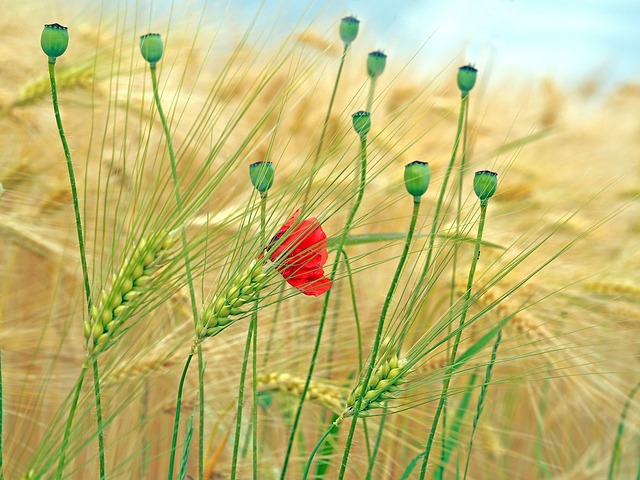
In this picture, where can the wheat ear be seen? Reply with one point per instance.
(326, 395)
(133, 280)
(242, 290)
(383, 385)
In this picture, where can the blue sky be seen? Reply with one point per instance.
(568, 40)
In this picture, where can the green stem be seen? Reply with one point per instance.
(72, 181)
(314, 166)
(325, 307)
(243, 373)
(200, 414)
(254, 319)
(307, 468)
(187, 266)
(72, 412)
(440, 201)
(456, 341)
(83, 254)
(615, 454)
(376, 446)
(483, 394)
(378, 337)
(372, 87)
(96, 390)
(454, 267)
(176, 421)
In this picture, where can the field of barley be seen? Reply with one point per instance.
(269, 287)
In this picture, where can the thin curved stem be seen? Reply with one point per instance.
(372, 88)
(378, 337)
(307, 468)
(325, 307)
(83, 255)
(96, 390)
(72, 181)
(243, 374)
(325, 124)
(187, 266)
(67, 428)
(456, 341)
(440, 201)
(176, 421)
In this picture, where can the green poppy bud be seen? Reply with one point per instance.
(485, 184)
(361, 123)
(467, 79)
(349, 29)
(416, 178)
(262, 175)
(376, 61)
(54, 40)
(151, 47)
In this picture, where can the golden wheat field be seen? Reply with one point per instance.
(501, 335)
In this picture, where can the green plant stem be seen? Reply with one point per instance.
(325, 307)
(456, 341)
(615, 454)
(83, 254)
(376, 446)
(454, 263)
(72, 412)
(372, 88)
(72, 181)
(187, 266)
(243, 373)
(176, 421)
(96, 390)
(307, 468)
(325, 124)
(483, 394)
(254, 319)
(440, 201)
(378, 337)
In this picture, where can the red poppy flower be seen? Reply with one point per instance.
(301, 255)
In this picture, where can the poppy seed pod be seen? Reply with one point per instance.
(361, 123)
(485, 184)
(349, 29)
(151, 47)
(467, 79)
(262, 175)
(376, 61)
(54, 40)
(417, 176)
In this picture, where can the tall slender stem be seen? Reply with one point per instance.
(72, 181)
(243, 373)
(67, 428)
(83, 256)
(96, 391)
(307, 468)
(436, 215)
(187, 266)
(176, 421)
(325, 307)
(323, 134)
(378, 337)
(372, 88)
(456, 341)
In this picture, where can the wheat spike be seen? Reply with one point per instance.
(627, 289)
(34, 90)
(384, 384)
(243, 289)
(326, 395)
(136, 273)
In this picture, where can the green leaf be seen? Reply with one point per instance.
(185, 451)
(411, 466)
(485, 340)
(392, 237)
